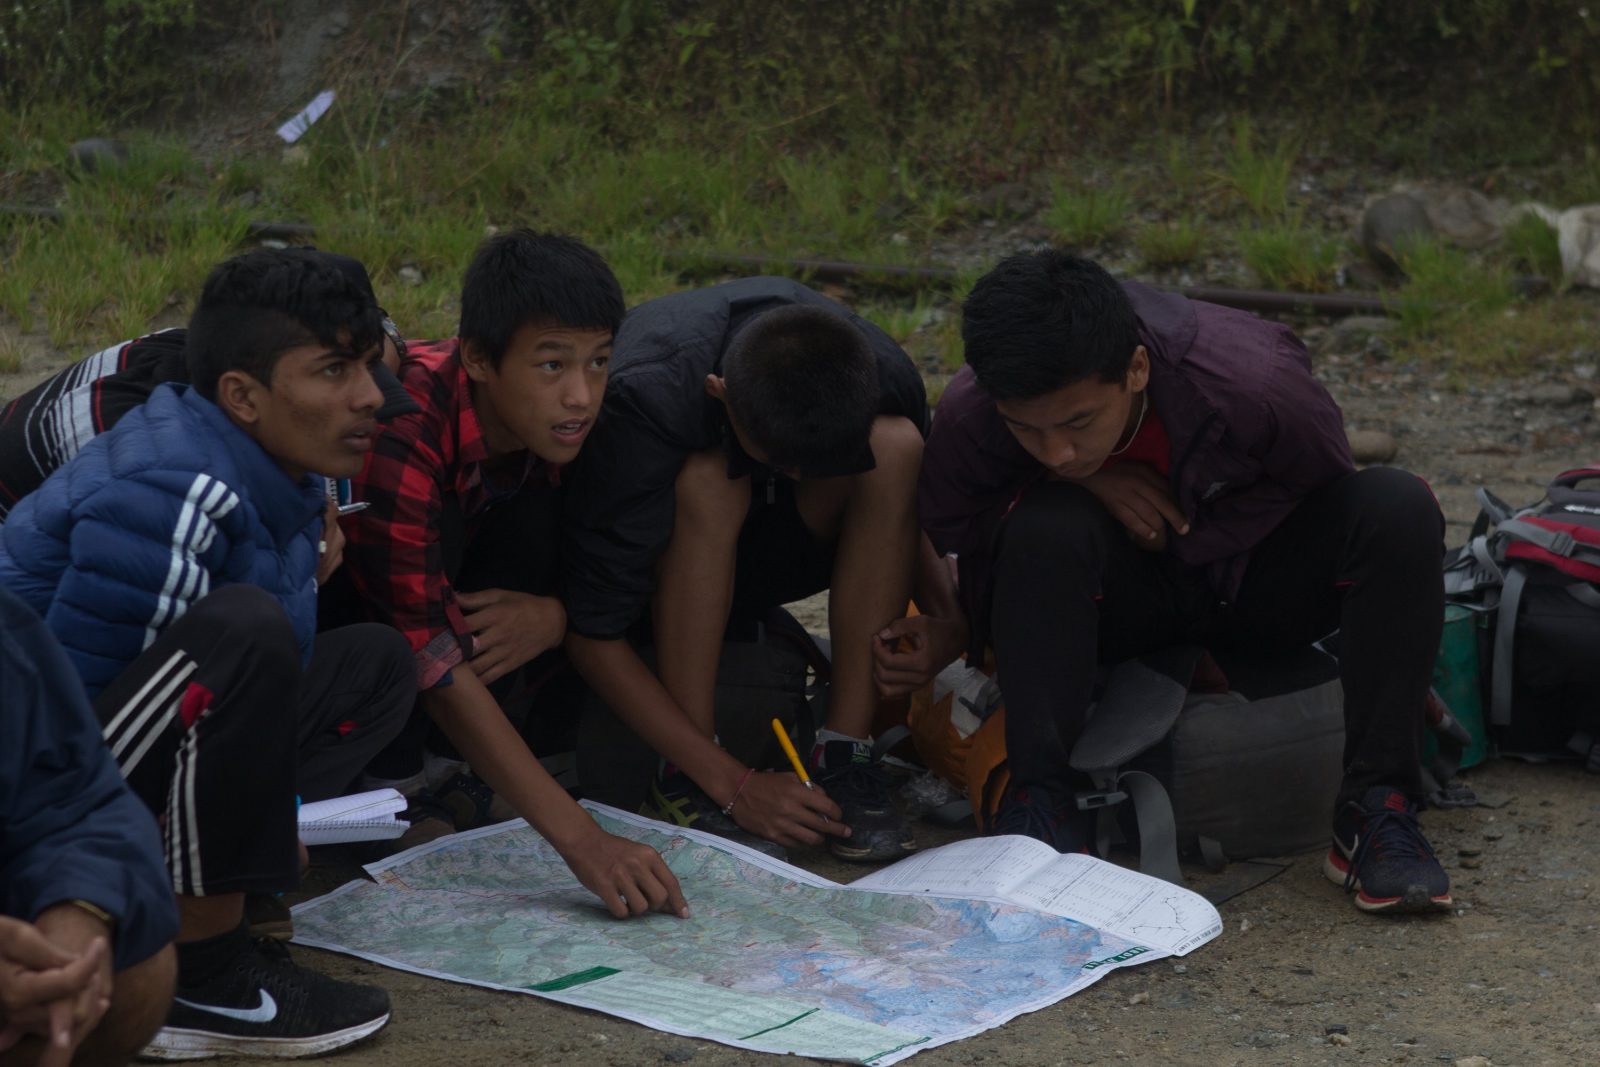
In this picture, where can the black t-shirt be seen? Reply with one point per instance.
(619, 506)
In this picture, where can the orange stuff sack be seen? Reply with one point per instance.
(958, 726)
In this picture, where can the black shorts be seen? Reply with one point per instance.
(779, 560)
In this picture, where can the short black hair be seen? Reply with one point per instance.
(521, 277)
(803, 386)
(256, 306)
(1043, 320)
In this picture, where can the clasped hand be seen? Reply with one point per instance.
(55, 982)
(512, 628)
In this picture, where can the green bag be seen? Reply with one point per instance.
(1457, 683)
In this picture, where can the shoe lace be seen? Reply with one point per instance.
(1388, 833)
(863, 784)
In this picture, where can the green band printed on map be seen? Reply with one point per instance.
(781, 1025)
(876, 1056)
(567, 981)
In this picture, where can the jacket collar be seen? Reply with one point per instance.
(284, 506)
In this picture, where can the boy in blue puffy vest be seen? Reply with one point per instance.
(176, 558)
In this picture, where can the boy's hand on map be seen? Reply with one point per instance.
(628, 877)
(1139, 497)
(907, 653)
(779, 808)
(512, 628)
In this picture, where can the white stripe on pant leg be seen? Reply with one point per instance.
(144, 690)
(145, 728)
(191, 753)
(175, 829)
(157, 729)
(166, 698)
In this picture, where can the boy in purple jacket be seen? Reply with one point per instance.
(1118, 469)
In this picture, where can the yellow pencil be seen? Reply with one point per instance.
(794, 757)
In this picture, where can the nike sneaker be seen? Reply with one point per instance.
(264, 1004)
(1379, 854)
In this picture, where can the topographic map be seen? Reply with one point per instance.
(773, 958)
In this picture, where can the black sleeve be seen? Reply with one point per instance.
(617, 522)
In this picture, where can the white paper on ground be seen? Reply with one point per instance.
(296, 127)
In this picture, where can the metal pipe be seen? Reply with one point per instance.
(834, 270)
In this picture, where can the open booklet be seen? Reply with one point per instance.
(371, 816)
(1020, 870)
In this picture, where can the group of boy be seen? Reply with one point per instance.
(1115, 469)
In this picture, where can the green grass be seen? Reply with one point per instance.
(1083, 219)
(1258, 177)
(1445, 287)
(1531, 244)
(1171, 244)
(11, 355)
(141, 238)
(1286, 255)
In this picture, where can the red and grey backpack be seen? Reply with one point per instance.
(1534, 573)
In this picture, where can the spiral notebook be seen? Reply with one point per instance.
(372, 816)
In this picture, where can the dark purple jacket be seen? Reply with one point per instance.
(1252, 434)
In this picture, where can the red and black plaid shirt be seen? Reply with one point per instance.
(394, 551)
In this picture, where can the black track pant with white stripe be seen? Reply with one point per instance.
(202, 726)
(216, 728)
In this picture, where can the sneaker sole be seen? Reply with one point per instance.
(878, 852)
(1415, 900)
(172, 1043)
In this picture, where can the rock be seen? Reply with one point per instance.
(410, 274)
(1471, 862)
(93, 153)
(1336, 1028)
(1388, 222)
(1266, 1038)
(1474, 1061)
(1361, 275)
(1372, 446)
(1555, 394)
(1461, 216)
(1353, 332)
(1341, 1040)
(1139, 998)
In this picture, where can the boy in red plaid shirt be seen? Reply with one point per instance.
(461, 498)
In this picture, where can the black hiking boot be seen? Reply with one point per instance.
(856, 780)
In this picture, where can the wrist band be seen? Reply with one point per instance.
(748, 771)
(96, 910)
